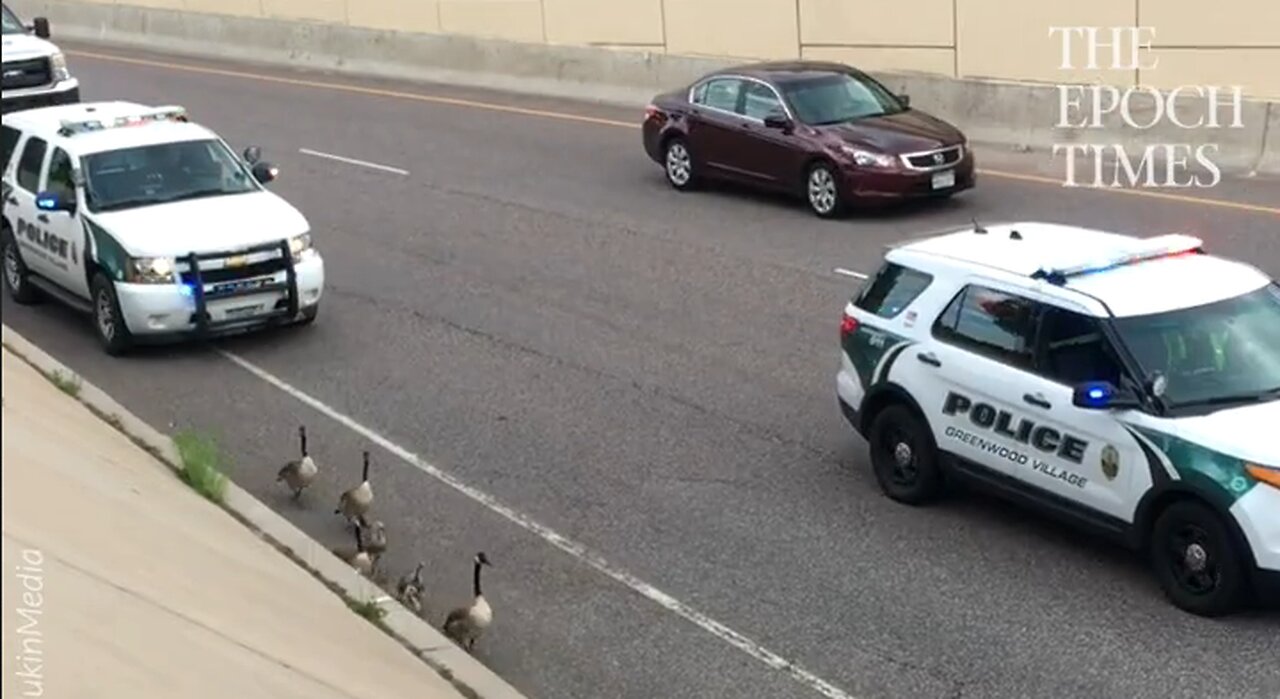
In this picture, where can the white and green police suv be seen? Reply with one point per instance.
(1130, 385)
(152, 224)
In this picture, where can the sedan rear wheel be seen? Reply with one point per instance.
(678, 162)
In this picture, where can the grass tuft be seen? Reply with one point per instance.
(66, 382)
(200, 465)
(370, 610)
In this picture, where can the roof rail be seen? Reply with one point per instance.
(1146, 249)
(71, 127)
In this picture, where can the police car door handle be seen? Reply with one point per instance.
(928, 358)
(1037, 400)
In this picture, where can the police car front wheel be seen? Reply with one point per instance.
(1196, 560)
(904, 457)
(107, 320)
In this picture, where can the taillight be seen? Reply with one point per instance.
(652, 112)
(848, 325)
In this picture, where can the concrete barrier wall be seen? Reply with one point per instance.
(996, 39)
(1022, 114)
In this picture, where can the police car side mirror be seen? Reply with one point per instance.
(265, 172)
(40, 25)
(51, 201)
(1103, 395)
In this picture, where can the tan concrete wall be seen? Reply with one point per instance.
(1230, 42)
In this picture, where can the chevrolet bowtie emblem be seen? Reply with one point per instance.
(238, 261)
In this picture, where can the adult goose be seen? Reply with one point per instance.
(465, 625)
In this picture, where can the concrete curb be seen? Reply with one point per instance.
(468, 675)
(1014, 114)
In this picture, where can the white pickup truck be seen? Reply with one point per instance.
(35, 71)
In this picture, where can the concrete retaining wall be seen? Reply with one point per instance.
(1023, 115)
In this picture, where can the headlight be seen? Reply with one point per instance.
(151, 270)
(867, 158)
(300, 247)
(1265, 474)
(58, 66)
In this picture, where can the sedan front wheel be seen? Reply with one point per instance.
(823, 189)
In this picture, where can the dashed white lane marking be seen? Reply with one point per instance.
(565, 544)
(849, 273)
(352, 161)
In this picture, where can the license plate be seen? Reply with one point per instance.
(237, 286)
(944, 180)
(242, 311)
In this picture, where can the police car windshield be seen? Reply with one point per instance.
(158, 174)
(12, 25)
(1221, 353)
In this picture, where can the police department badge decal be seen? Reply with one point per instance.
(1110, 462)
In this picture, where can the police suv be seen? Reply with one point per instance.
(35, 72)
(1128, 385)
(150, 223)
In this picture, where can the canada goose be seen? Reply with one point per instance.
(358, 559)
(409, 589)
(466, 624)
(355, 502)
(376, 544)
(299, 473)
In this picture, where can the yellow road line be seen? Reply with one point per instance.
(581, 118)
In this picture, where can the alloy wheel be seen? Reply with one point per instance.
(679, 164)
(822, 190)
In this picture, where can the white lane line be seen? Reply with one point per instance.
(849, 273)
(565, 544)
(353, 161)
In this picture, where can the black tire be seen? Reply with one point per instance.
(1196, 560)
(16, 276)
(822, 191)
(678, 165)
(904, 456)
(108, 323)
(309, 315)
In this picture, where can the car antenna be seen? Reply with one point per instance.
(977, 227)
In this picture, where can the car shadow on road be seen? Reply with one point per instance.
(779, 201)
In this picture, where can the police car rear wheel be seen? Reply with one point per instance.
(107, 320)
(15, 272)
(1195, 560)
(904, 457)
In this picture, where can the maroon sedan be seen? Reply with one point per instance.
(822, 130)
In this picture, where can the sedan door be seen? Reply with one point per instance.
(772, 155)
(715, 123)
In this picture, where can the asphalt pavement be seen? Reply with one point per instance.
(584, 355)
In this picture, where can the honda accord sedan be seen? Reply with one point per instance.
(823, 131)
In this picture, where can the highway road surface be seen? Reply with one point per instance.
(624, 395)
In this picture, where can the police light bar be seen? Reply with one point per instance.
(1148, 249)
(168, 113)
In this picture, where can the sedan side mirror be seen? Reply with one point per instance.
(905, 99)
(265, 172)
(252, 154)
(777, 121)
(52, 201)
(1103, 395)
(40, 25)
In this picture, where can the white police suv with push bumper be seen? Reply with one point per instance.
(35, 72)
(152, 224)
(1129, 385)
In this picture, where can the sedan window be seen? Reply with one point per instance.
(761, 101)
(839, 97)
(722, 94)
